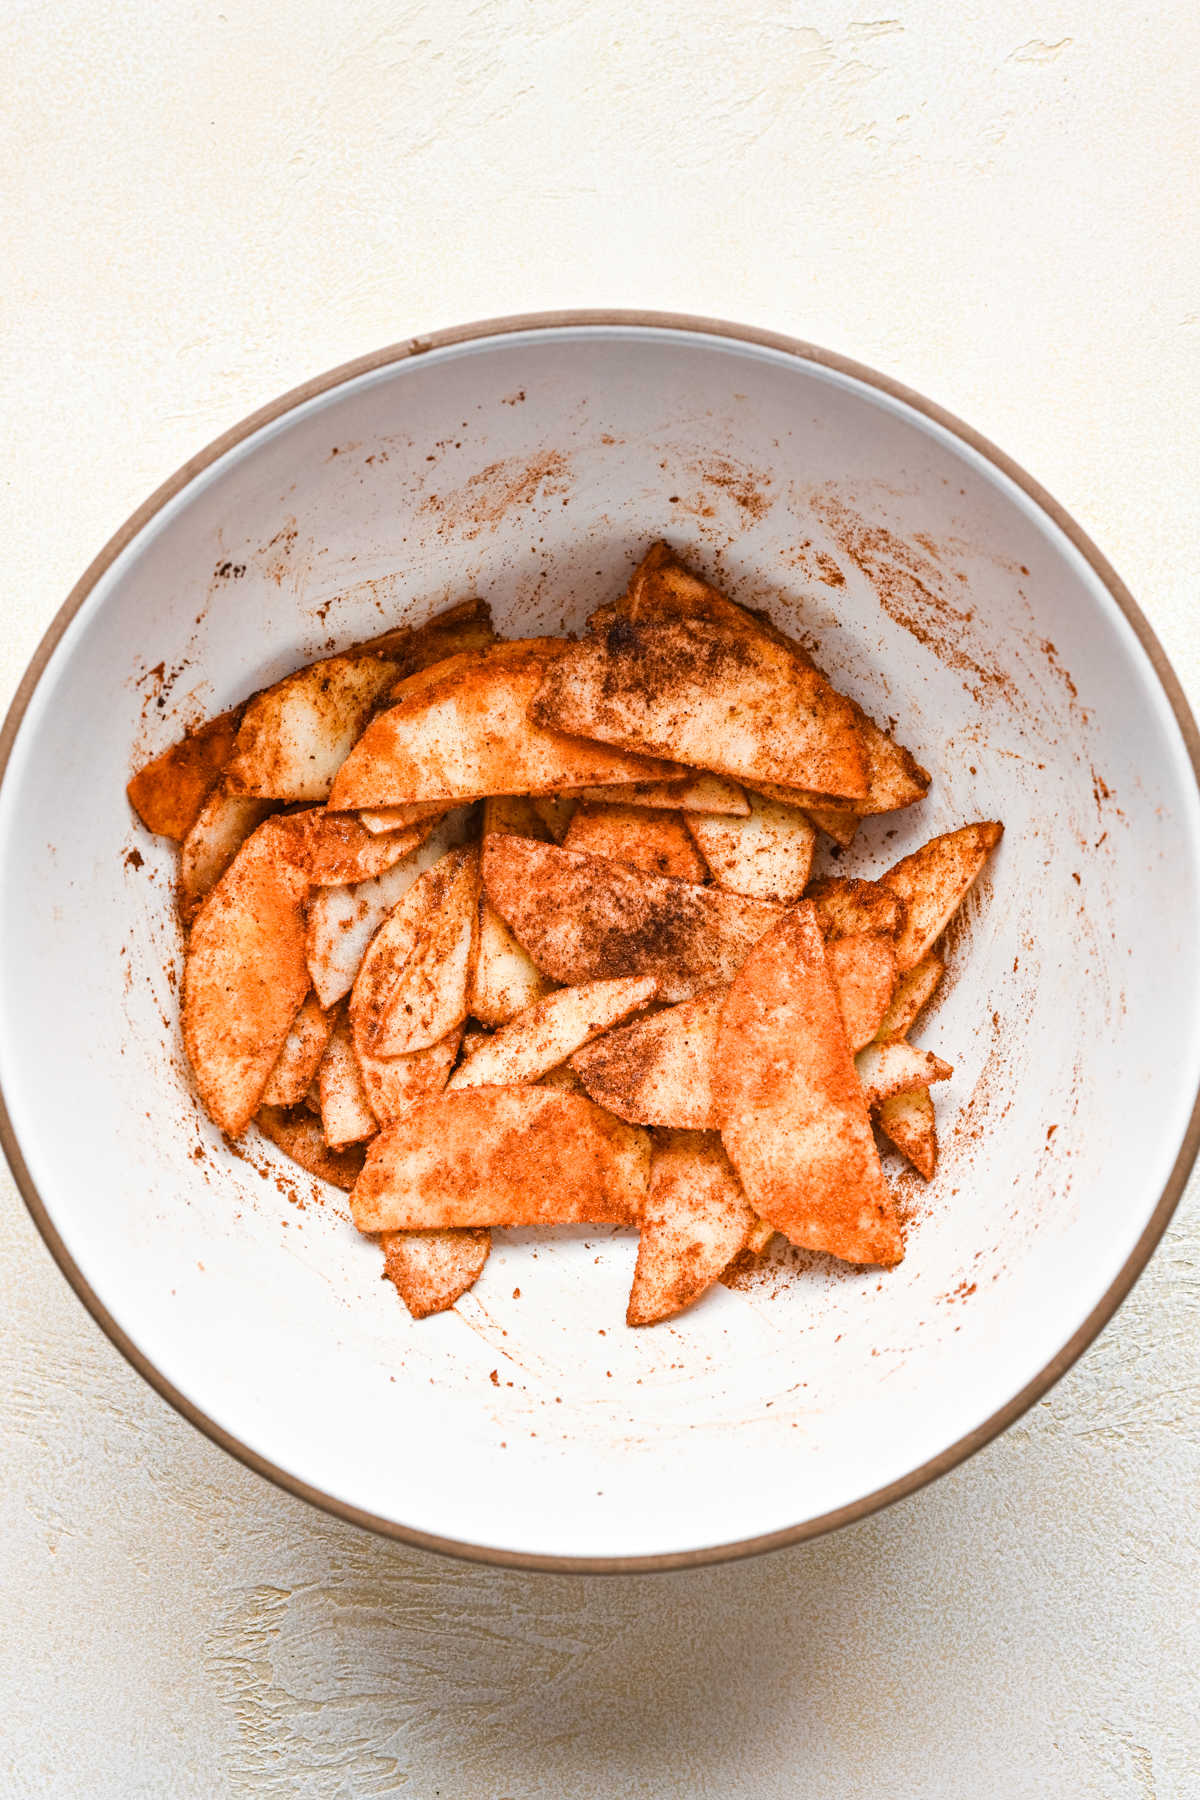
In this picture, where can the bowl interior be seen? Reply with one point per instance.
(534, 468)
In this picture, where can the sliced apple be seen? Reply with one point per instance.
(413, 984)
(395, 1084)
(343, 920)
(430, 1270)
(505, 979)
(295, 735)
(662, 588)
(298, 1134)
(301, 1055)
(458, 629)
(846, 905)
(549, 1031)
(514, 815)
(695, 791)
(912, 992)
(897, 1068)
(337, 850)
(933, 883)
(346, 1113)
(394, 818)
(245, 976)
(653, 838)
(468, 732)
(908, 1121)
(792, 1115)
(767, 855)
(167, 793)
(584, 918)
(740, 704)
(658, 1071)
(695, 1221)
(862, 968)
(218, 832)
(840, 826)
(503, 1156)
(894, 778)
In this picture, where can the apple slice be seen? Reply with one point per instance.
(908, 1121)
(346, 1113)
(897, 1068)
(933, 883)
(767, 855)
(505, 979)
(719, 698)
(298, 1134)
(343, 920)
(652, 838)
(695, 1221)
(697, 791)
(430, 1270)
(583, 918)
(840, 826)
(336, 850)
(662, 587)
(514, 815)
(300, 1057)
(218, 832)
(846, 906)
(862, 968)
(546, 1033)
(467, 732)
(412, 986)
(395, 1084)
(658, 1071)
(295, 735)
(913, 990)
(394, 818)
(503, 1156)
(464, 627)
(793, 1119)
(245, 977)
(167, 793)
(894, 777)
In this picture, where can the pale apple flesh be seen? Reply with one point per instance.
(792, 1113)
(652, 838)
(695, 1221)
(496, 1156)
(767, 855)
(548, 1032)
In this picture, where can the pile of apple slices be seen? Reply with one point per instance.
(523, 933)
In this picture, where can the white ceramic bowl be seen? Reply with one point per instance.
(532, 461)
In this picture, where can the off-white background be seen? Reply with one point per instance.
(202, 207)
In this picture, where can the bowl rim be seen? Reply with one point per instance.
(684, 323)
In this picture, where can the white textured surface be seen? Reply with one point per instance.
(202, 209)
